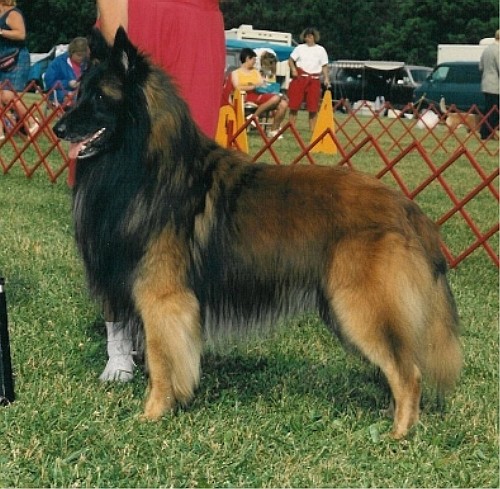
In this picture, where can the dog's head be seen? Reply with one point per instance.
(109, 91)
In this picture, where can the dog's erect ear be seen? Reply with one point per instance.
(99, 48)
(124, 53)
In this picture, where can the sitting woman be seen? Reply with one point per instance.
(65, 70)
(247, 78)
(13, 37)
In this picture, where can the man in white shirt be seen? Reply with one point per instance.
(307, 62)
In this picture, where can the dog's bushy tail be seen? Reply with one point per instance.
(443, 354)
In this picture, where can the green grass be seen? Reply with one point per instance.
(291, 410)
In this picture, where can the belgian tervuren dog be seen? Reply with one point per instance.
(200, 243)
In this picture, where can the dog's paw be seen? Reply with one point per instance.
(156, 407)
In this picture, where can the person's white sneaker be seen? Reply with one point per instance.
(33, 129)
(252, 123)
(271, 134)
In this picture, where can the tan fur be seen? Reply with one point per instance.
(112, 90)
(472, 122)
(162, 121)
(171, 317)
(384, 313)
(389, 304)
(443, 360)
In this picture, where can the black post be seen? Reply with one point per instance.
(6, 379)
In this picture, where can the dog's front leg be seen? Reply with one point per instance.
(173, 348)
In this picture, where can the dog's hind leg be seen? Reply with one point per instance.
(370, 329)
(380, 307)
(173, 349)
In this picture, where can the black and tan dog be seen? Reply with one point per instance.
(200, 243)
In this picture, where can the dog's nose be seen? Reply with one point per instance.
(60, 129)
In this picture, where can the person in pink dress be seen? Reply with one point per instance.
(186, 38)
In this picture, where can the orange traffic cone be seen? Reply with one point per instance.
(324, 122)
(227, 120)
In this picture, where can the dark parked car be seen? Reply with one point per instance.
(457, 83)
(367, 80)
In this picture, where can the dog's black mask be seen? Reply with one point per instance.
(96, 121)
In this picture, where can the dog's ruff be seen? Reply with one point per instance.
(200, 243)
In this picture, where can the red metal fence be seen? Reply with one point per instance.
(446, 167)
(41, 150)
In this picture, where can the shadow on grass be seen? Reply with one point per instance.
(279, 378)
(346, 382)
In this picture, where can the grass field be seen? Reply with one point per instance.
(291, 410)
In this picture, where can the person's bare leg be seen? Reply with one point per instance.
(280, 115)
(313, 116)
(8, 96)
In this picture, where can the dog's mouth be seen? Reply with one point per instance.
(86, 147)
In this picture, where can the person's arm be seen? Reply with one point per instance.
(234, 79)
(326, 75)
(17, 30)
(292, 61)
(293, 67)
(51, 76)
(260, 81)
(56, 77)
(112, 14)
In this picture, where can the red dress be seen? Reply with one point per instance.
(186, 38)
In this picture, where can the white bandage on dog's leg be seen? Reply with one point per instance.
(120, 366)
